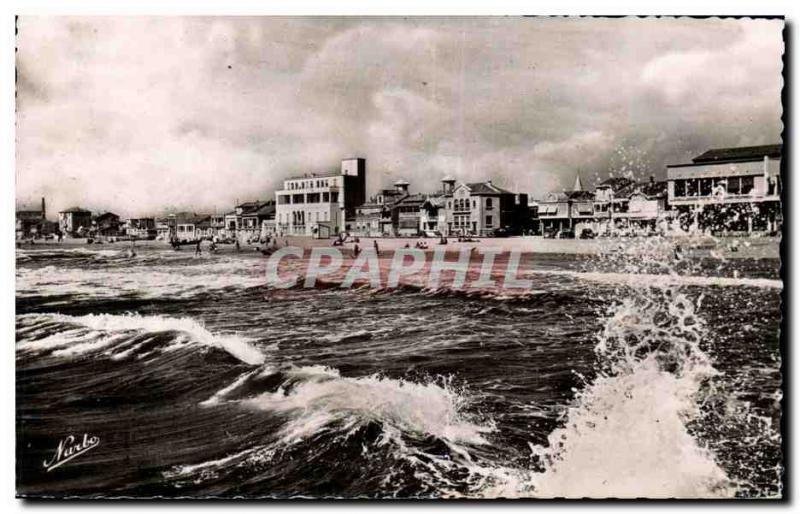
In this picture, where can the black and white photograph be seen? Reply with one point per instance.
(399, 257)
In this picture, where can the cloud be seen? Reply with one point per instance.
(140, 114)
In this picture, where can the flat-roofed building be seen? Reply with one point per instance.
(321, 205)
(75, 221)
(729, 190)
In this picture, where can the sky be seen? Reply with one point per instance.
(139, 115)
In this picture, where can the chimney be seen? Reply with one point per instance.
(44, 214)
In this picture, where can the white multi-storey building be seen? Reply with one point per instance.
(321, 205)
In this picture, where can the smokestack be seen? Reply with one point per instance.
(44, 215)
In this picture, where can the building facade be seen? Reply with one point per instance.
(375, 218)
(434, 213)
(729, 190)
(75, 222)
(617, 206)
(141, 228)
(33, 223)
(107, 224)
(321, 205)
(482, 208)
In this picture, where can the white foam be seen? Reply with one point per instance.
(143, 280)
(111, 324)
(323, 397)
(661, 280)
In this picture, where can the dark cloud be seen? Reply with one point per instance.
(135, 114)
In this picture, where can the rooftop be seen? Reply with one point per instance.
(324, 174)
(742, 153)
(485, 188)
(76, 210)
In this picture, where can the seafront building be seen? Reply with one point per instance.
(568, 211)
(75, 222)
(729, 189)
(249, 221)
(375, 217)
(434, 214)
(380, 216)
(107, 224)
(141, 228)
(617, 206)
(321, 205)
(480, 209)
(33, 223)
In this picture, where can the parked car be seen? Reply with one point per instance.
(588, 233)
(566, 234)
(551, 234)
(501, 232)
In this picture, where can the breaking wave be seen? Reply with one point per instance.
(120, 336)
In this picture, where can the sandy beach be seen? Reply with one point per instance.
(695, 246)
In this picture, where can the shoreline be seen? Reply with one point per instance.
(694, 246)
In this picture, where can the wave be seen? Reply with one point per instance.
(46, 254)
(143, 280)
(662, 279)
(629, 433)
(119, 336)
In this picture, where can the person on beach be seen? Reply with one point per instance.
(197, 250)
(375, 245)
(356, 250)
(237, 244)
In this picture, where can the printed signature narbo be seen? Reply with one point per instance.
(69, 448)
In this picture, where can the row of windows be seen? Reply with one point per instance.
(462, 204)
(464, 221)
(461, 221)
(708, 186)
(299, 217)
(309, 198)
(307, 184)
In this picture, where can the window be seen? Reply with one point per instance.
(706, 185)
(488, 221)
(326, 197)
(298, 198)
(488, 203)
(680, 188)
(335, 197)
(747, 185)
(733, 186)
(691, 187)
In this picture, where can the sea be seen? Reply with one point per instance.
(639, 372)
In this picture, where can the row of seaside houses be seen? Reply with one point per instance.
(722, 190)
(728, 189)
